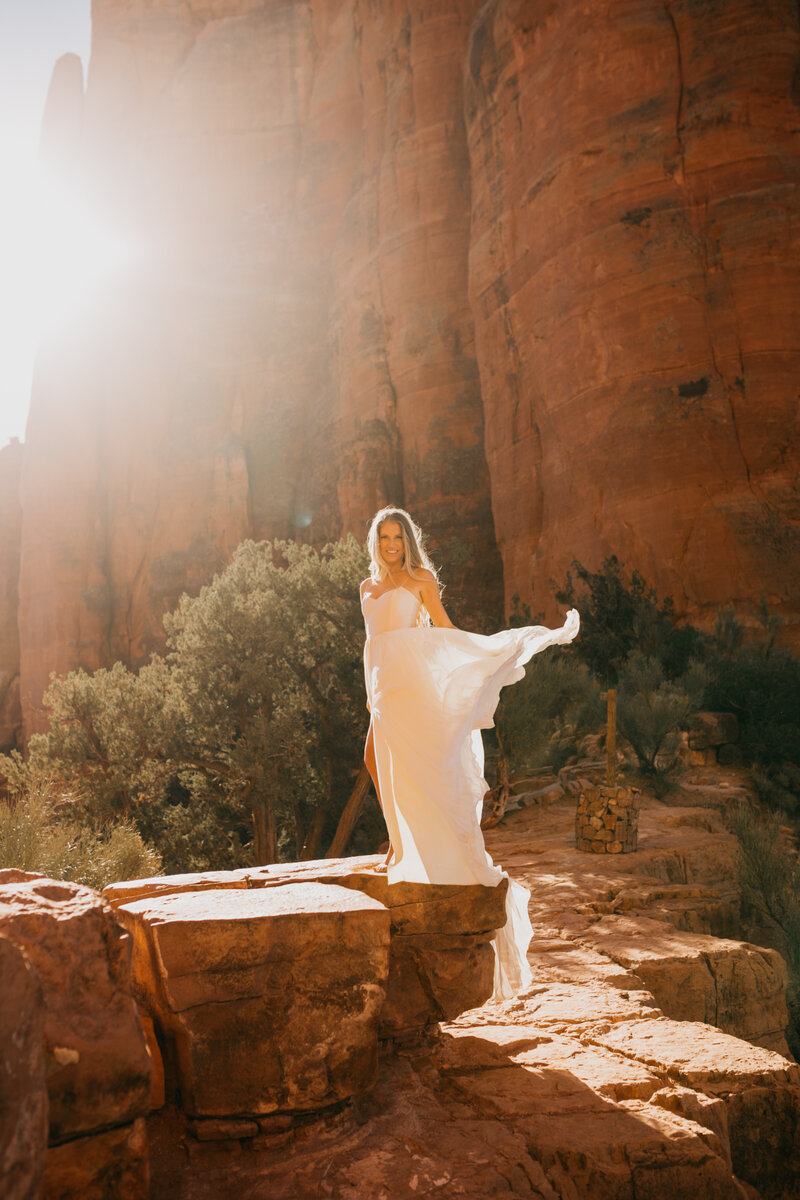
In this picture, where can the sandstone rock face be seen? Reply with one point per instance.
(578, 1090)
(441, 960)
(23, 1091)
(91, 1043)
(713, 1063)
(111, 1164)
(10, 534)
(581, 1088)
(737, 987)
(301, 353)
(97, 1064)
(532, 275)
(632, 277)
(270, 997)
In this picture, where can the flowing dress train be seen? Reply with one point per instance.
(431, 690)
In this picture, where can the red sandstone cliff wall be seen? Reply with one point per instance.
(295, 346)
(528, 269)
(10, 520)
(634, 280)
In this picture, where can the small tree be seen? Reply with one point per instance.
(651, 708)
(266, 662)
(250, 729)
(540, 719)
(110, 739)
(621, 615)
(769, 875)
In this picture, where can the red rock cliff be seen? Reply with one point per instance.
(10, 520)
(528, 269)
(634, 279)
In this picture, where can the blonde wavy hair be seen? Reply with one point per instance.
(414, 553)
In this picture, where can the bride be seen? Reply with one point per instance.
(431, 688)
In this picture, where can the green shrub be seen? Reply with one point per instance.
(239, 745)
(620, 615)
(651, 709)
(34, 836)
(778, 787)
(769, 875)
(541, 719)
(764, 692)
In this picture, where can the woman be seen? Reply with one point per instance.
(431, 688)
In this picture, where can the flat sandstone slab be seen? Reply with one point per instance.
(694, 977)
(423, 908)
(270, 996)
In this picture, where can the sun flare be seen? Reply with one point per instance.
(73, 254)
(57, 255)
(70, 254)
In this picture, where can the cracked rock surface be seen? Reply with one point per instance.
(603, 1081)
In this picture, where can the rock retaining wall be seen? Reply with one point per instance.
(607, 819)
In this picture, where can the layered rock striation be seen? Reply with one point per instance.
(76, 1065)
(615, 1075)
(645, 1059)
(10, 536)
(531, 273)
(634, 211)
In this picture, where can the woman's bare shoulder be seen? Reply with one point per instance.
(426, 576)
(365, 583)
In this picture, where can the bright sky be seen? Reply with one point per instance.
(33, 34)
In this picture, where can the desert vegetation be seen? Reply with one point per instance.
(243, 742)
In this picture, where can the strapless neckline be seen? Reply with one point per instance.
(400, 588)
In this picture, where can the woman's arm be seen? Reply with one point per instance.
(429, 595)
(362, 588)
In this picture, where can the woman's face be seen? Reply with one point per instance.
(390, 538)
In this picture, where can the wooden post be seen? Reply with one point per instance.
(351, 813)
(611, 736)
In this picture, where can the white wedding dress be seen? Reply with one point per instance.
(430, 692)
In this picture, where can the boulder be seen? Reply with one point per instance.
(710, 729)
(360, 873)
(269, 997)
(737, 987)
(434, 979)
(129, 890)
(421, 909)
(98, 1067)
(15, 875)
(760, 1089)
(23, 1090)
(441, 961)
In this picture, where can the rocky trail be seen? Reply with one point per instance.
(646, 1061)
